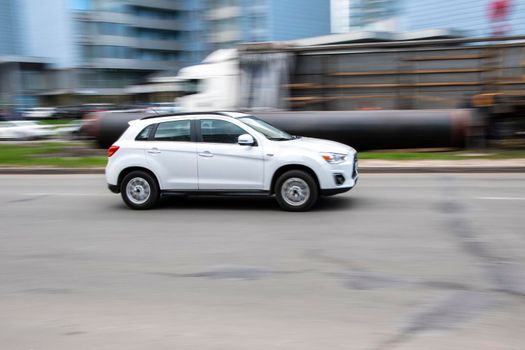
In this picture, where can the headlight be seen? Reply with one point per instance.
(334, 158)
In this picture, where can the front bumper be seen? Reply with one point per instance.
(341, 178)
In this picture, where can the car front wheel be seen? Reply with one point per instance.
(139, 190)
(296, 190)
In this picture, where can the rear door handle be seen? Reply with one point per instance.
(206, 154)
(154, 151)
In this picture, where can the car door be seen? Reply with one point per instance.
(171, 153)
(224, 164)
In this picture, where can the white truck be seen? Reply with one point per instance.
(227, 81)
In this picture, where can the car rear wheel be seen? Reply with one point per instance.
(139, 190)
(296, 190)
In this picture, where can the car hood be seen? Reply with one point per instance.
(319, 145)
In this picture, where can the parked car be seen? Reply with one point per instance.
(24, 130)
(39, 113)
(69, 131)
(68, 112)
(79, 111)
(225, 153)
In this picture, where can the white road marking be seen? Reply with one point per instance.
(503, 198)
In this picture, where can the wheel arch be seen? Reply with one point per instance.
(288, 167)
(128, 170)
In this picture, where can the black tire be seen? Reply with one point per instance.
(140, 179)
(286, 202)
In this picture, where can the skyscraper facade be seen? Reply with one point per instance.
(65, 48)
(9, 28)
(230, 22)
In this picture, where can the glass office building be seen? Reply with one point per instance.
(229, 22)
(96, 47)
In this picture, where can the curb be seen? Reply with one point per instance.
(51, 171)
(364, 170)
(441, 169)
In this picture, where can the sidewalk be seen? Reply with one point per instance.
(365, 166)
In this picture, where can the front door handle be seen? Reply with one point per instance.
(154, 151)
(206, 154)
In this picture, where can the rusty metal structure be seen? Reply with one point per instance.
(408, 74)
(485, 74)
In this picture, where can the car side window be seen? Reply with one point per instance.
(220, 131)
(179, 130)
(144, 134)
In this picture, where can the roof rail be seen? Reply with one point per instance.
(181, 113)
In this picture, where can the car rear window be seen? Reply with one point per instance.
(144, 134)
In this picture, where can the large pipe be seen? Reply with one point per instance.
(364, 130)
(106, 127)
(383, 129)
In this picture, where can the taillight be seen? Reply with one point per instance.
(112, 150)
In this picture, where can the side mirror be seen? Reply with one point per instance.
(246, 140)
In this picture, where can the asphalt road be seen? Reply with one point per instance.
(402, 262)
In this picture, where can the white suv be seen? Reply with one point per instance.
(225, 153)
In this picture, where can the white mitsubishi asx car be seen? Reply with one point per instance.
(225, 153)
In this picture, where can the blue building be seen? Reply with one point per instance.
(21, 74)
(230, 22)
(296, 19)
(9, 28)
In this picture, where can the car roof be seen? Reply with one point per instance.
(179, 115)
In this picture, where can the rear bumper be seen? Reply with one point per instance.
(113, 188)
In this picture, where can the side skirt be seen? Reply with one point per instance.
(226, 193)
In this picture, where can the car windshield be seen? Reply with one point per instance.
(271, 132)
